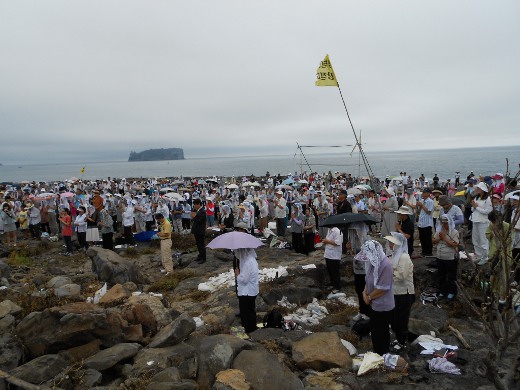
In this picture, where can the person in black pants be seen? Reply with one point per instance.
(198, 229)
(246, 275)
(343, 206)
(309, 229)
(405, 226)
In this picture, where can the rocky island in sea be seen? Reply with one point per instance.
(157, 155)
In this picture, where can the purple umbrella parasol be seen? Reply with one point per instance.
(235, 240)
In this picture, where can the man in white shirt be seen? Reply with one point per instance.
(332, 256)
(280, 213)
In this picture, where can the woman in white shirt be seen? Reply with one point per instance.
(480, 206)
(403, 287)
(80, 226)
(246, 274)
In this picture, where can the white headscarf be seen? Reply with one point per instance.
(372, 251)
(451, 224)
(244, 253)
(399, 249)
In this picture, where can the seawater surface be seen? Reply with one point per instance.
(485, 161)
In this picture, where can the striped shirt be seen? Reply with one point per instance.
(426, 219)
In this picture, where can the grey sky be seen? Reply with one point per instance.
(92, 80)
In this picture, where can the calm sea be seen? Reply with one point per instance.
(445, 163)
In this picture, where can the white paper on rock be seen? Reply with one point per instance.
(99, 293)
(198, 322)
(351, 349)
(371, 360)
(227, 279)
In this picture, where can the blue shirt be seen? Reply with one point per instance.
(426, 219)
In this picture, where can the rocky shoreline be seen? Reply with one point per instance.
(151, 331)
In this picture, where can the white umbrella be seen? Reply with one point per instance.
(247, 184)
(232, 186)
(166, 189)
(303, 181)
(354, 191)
(255, 184)
(174, 196)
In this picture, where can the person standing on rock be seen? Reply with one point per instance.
(106, 225)
(333, 243)
(66, 229)
(246, 274)
(165, 235)
(198, 229)
(280, 213)
(404, 291)
(378, 293)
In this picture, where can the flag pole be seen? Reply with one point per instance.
(358, 143)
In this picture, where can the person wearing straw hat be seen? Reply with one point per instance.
(480, 208)
(403, 287)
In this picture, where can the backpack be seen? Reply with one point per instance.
(273, 319)
(361, 328)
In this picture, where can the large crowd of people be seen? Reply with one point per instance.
(443, 213)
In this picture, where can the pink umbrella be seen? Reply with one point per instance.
(66, 195)
(235, 240)
(44, 196)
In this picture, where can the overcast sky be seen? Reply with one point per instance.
(93, 80)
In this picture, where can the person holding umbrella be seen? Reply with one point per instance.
(246, 271)
(246, 274)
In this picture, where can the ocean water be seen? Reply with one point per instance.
(485, 161)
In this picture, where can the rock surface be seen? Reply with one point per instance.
(112, 268)
(320, 352)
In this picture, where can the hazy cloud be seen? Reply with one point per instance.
(94, 80)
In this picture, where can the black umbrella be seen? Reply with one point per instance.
(457, 200)
(347, 219)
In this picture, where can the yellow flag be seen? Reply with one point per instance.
(325, 74)
(82, 170)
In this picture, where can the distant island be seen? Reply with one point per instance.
(157, 155)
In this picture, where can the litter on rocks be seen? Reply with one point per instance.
(309, 266)
(198, 322)
(342, 297)
(395, 362)
(371, 361)
(284, 302)
(227, 279)
(351, 349)
(441, 365)
(98, 294)
(430, 343)
(311, 315)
